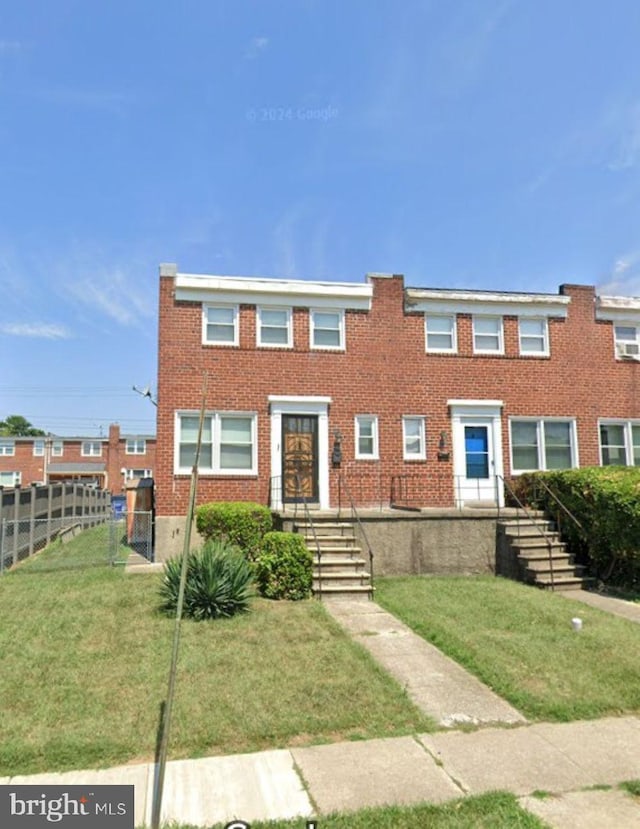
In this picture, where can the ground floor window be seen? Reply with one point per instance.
(10, 478)
(228, 443)
(137, 474)
(414, 438)
(540, 444)
(620, 443)
(366, 436)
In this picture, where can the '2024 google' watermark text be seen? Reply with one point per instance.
(273, 115)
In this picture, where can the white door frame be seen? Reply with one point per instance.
(477, 413)
(294, 405)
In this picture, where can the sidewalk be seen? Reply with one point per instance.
(618, 607)
(558, 758)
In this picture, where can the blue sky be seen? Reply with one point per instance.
(489, 145)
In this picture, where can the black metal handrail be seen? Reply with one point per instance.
(545, 537)
(562, 506)
(275, 486)
(301, 498)
(399, 495)
(342, 484)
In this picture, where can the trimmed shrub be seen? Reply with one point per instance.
(218, 583)
(242, 523)
(284, 568)
(606, 502)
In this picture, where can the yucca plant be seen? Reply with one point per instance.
(219, 582)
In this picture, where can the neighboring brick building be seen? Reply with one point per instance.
(107, 462)
(435, 393)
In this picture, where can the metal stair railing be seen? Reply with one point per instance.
(562, 506)
(355, 517)
(301, 498)
(543, 535)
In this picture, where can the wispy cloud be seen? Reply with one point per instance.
(39, 330)
(11, 47)
(623, 278)
(623, 122)
(256, 47)
(105, 100)
(115, 292)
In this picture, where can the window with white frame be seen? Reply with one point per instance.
(413, 438)
(487, 335)
(38, 448)
(220, 324)
(229, 443)
(627, 340)
(440, 333)
(135, 446)
(91, 448)
(137, 474)
(366, 437)
(534, 337)
(57, 449)
(7, 447)
(542, 444)
(620, 443)
(10, 478)
(274, 327)
(327, 329)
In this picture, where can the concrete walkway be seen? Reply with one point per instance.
(435, 683)
(618, 607)
(563, 759)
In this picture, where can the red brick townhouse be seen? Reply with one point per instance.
(107, 462)
(439, 393)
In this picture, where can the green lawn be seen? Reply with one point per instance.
(85, 657)
(520, 642)
(496, 810)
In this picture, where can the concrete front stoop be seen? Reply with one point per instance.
(542, 557)
(339, 566)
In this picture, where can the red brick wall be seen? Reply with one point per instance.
(384, 371)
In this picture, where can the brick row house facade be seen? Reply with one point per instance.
(107, 462)
(436, 394)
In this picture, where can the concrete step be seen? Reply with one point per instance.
(342, 592)
(559, 572)
(339, 561)
(542, 547)
(342, 579)
(541, 565)
(333, 550)
(528, 530)
(330, 539)
(575, 583)
(324, 528)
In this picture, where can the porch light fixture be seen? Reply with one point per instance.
(443, 451)
(336, 453)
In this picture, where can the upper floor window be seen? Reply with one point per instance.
(413, 438)
(327, 329)
(542, 444)
(57, 448)
(620, 443)
(534, 337)
(228, 447)
(135, 446)
(366, 437)
(10, 478)
(7, 447)
(274, 327)
(220, 324)
(137, 474)
(91, 448)
(38, 448)
(627, 339)
(487, 335)
(440, 331)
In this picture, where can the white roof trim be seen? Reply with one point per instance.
(257, 291)
(292, 398)
(434, 301)
(618, 308)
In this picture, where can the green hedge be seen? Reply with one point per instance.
(606, 502)
(242, 523)
(284, 567)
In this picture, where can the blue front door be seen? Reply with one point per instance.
(476, 447)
